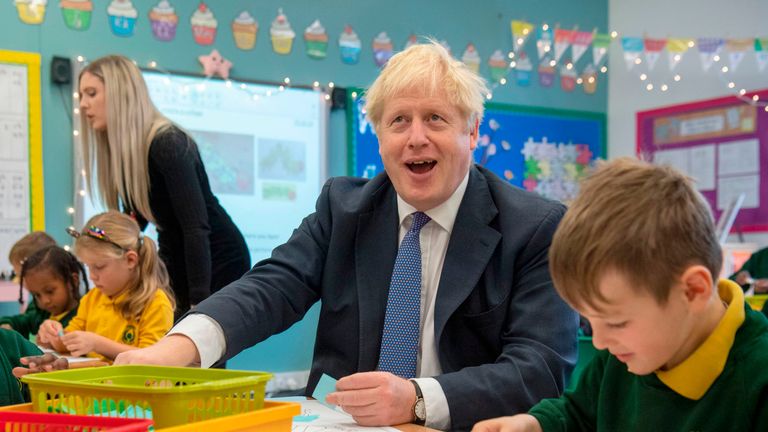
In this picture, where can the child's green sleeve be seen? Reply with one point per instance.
(12, 348)
(27, 323)
(576, 409)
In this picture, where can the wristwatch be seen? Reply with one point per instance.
(419, 409)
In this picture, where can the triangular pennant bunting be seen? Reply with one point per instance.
(676, 48)
(520, 32)
(653, 49)
(708, 49)
(632, 46)
(761, 53)
(581, 41)
(600, 44)
(544, 41)
(563, 39)
(736, 49)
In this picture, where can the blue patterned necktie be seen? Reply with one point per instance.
(400, 338)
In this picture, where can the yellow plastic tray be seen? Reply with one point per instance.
(274, 417)
(757, 301)
(169, 396)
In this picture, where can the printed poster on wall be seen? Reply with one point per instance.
(722, 144)
(546, 151)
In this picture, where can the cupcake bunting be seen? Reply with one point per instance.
(282, 34)
(244, 29)
(349, 46)
(164, 21)
(382, 49)
(498, 66)
(122, 17)
(316, 40)
(31, 11)
(204, 25)
(523, 70)
(471, 58)
(412, 40)
(76, 13)
(567, 77)
(215, 64)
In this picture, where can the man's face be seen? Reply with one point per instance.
(425, 146)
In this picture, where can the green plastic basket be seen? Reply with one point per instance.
(168, 395)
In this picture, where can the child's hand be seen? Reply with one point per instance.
(6, 326)
(518, 423)
(44, 363)
(80, 343)
(49, 331)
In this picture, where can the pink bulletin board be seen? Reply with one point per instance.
(722, 143)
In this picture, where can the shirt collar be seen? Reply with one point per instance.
(696, 374)
(444, 214)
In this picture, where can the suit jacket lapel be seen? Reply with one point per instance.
(375, 252)
(471, 245)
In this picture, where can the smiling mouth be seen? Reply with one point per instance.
(421, 167)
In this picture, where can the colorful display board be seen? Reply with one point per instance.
(542, 150)
(722, 144)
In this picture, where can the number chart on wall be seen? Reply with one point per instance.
(546, 151)
(21, 166)
(722, 144)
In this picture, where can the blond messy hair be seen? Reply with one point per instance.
(430, 70)
(646, 222)
(119, 155)
(152, 274)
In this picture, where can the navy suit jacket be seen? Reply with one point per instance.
(505, 338)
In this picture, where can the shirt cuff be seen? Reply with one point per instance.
(436, 404)
(206, 334)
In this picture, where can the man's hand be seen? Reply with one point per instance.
(44, 363)
(173, 350)
(375, 398)
(518, 423)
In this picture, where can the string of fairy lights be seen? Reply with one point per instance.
(257, 91)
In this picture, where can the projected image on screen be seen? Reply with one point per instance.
(282, 160)
(228, 161)
(263, 150)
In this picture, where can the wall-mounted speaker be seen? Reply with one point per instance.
(61, 70)
(338, 98)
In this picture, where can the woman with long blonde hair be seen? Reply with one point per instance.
(146, 166)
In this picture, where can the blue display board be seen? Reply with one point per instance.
(542, 150)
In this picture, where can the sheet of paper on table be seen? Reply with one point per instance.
(316, 417)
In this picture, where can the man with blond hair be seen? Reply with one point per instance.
(437, 304)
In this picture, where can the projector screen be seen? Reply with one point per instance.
(264, 150)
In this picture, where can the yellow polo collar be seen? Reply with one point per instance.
(696, 374)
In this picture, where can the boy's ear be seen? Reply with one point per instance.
(698, 285)
(75, 280)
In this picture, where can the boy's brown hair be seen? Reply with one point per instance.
(28, 245)
(647, 222)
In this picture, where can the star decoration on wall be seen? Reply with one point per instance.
(215, 64)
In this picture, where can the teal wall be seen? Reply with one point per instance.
(484, 23)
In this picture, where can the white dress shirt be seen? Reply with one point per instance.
(208, 336)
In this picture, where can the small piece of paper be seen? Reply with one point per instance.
(324, 386)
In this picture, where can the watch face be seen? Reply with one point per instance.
(420, 410)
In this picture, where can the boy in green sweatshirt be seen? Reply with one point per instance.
(637, 255)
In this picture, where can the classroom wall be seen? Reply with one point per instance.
(679, 18)
(486, 24)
